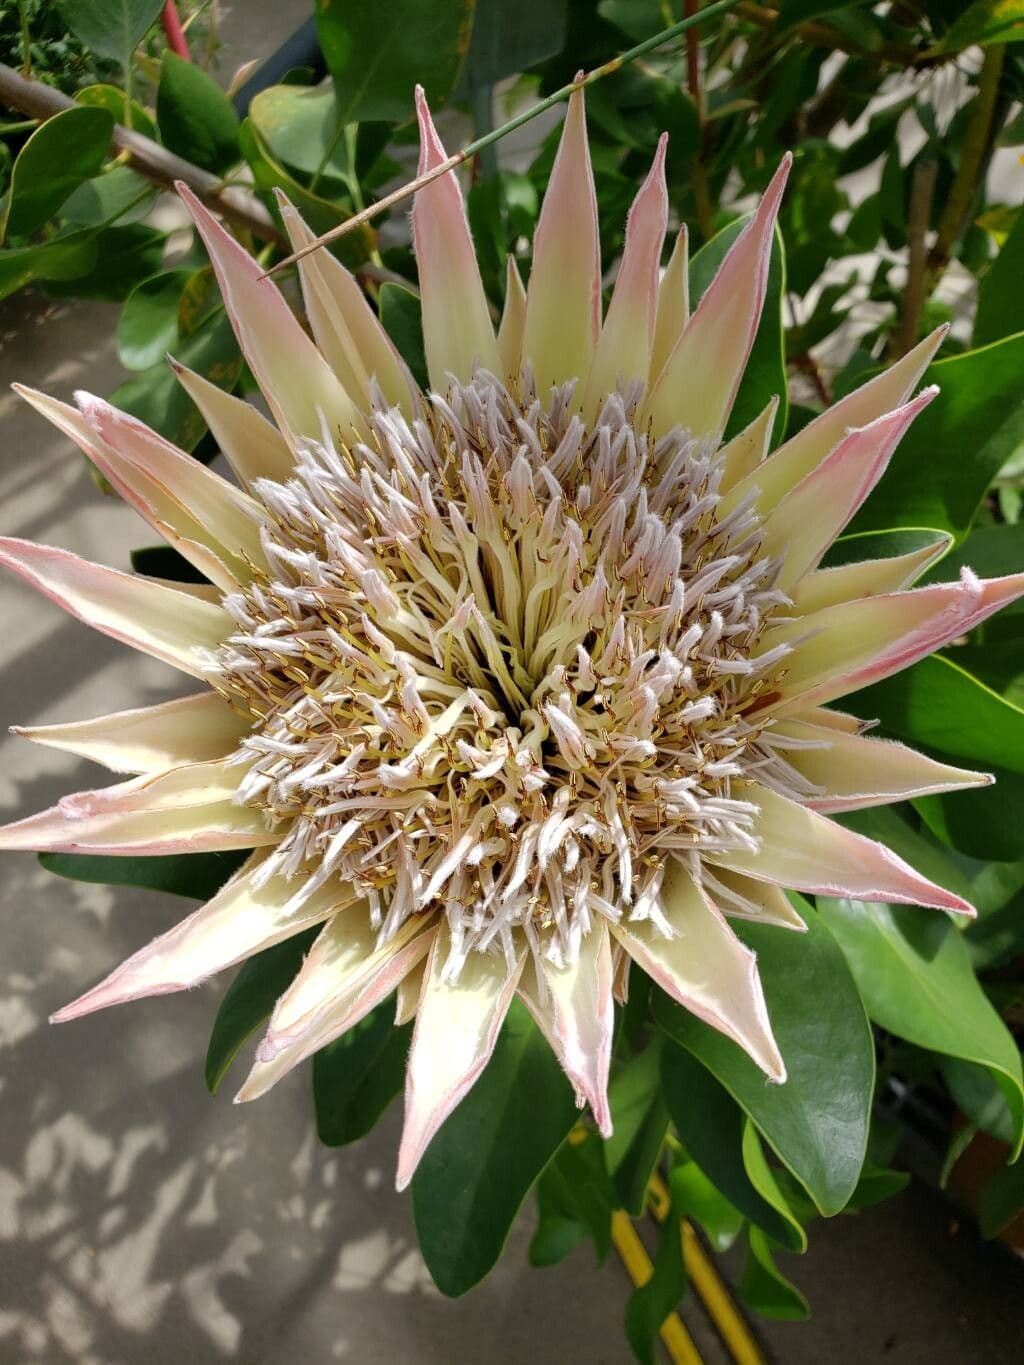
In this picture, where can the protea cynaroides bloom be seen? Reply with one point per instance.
(515, 682)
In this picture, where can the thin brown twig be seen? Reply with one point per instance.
(922, 191)
(156, 163)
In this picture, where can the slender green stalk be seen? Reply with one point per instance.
(488, 139)
(26, 40)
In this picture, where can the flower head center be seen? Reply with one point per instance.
(502, 664)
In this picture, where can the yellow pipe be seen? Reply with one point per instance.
(633, 1254)
(709, 1285)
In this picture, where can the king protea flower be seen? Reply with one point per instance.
(510, 684)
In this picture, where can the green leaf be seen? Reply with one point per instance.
(1002, 1199)
(511, 35)
(876, 1184)
(376, 53)
(979, 1098)
(881, 545)
(765, 1288)
(765, 374)
(64, 258)
(817, 1122)
(61, 154)
(124, 256)
(479, 1168)
(357, 1076)
(983, 822)
(650, 1305)
(111, 28)
(196, 119)
(575, 1191)
(119, 194)
(400, 317)
(769, 1181)
(711, 1126)
(163, 561)
(914, 972)
(945, 463)
(984, 22)
(156, 397)
(249, 1000)
(639, 1162)
(199, 875)
(111, 98)
(148, 325)
(1001, 291)
(557, 1233)
(997, 938)
(938, 704)
(321, 214)
(701, 1201)
(639, 1123)
(799, 11)
(300, 126)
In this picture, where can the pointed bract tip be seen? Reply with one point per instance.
(432, 150)
(772, 197)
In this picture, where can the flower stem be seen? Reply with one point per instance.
(488, 139)
(972, 159)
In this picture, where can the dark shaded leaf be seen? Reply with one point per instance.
(148, 324)
(960, 442)
(710, 1124)
(250, 999)
(197, 120)
(198, 875)
(357, 1076)
(163, 561)
(651, 1303)
(817, 1122)
(765, 1288)
(377, 53)
(576, 1198)
(156, 397)
(479, 1168)
(400, 318)
(1001, 291)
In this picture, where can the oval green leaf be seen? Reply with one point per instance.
(915, 976)
(945, 463)
(357, 1076)
(61, 154)
(711, 1126)
(817, 1122)
(148, 326)
(196, 119)
(377, 53)
(249, 1000)
(479, 1168)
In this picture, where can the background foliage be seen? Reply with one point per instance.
(898, 115)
